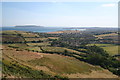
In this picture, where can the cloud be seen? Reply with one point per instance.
(108, 5)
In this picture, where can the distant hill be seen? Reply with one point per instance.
(27, 26)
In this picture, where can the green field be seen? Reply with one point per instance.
(110, 48)
(12, 38)
(9, 32)
(29, 35)
(35, 39)
(39, 44)
(60, 49)
(25, 47)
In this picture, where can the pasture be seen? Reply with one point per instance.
(110, 48)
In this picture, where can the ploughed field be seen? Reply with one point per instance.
(47, 55)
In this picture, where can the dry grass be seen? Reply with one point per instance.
(55, 64)
(93, 74)
(61, 64)
(56, 32)
(104, 35)
(53, 37)
(21, 54)
(66, 31)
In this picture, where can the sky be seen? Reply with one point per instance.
(60, 14)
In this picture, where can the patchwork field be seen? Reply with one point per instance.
(49, 63)
(27, 54)
(108, 38)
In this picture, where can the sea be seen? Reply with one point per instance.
(38, 29)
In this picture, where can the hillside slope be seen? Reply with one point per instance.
(50, 64)
(43, 61)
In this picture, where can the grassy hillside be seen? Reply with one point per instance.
(51, 64)
(31, 55)
(63, 65)
(15, 70)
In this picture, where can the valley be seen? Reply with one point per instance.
(70, 54)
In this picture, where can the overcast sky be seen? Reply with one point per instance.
(64, 14)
